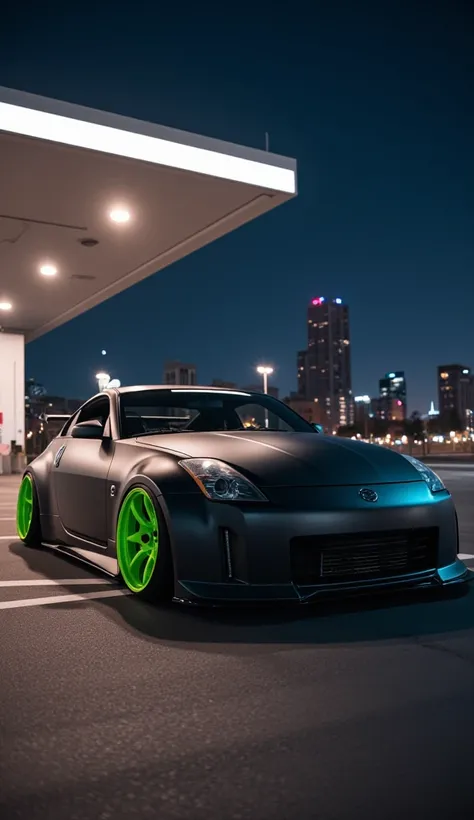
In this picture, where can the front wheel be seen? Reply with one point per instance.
(143, 549)
(28, 524)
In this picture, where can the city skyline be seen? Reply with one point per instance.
(106, 359)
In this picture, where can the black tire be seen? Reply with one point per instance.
(160, 587)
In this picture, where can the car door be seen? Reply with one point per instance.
(80, 473)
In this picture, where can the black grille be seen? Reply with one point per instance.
(363, 556)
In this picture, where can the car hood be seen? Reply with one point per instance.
(292, 459)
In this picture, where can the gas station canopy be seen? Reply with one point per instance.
(91, 203)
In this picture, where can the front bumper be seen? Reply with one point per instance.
(198, 592)
(260, 535)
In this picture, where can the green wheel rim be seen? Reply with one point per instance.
(24, 509)
(137, 539)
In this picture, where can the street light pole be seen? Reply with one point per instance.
(102, 381)
(265, 372)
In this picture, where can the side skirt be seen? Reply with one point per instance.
(104, 563)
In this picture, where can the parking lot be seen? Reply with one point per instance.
(111, 708)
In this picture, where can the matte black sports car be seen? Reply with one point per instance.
(209, 495)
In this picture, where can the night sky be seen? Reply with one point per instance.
(375, 101)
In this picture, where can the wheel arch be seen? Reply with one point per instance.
(141, 480)
(40, 471)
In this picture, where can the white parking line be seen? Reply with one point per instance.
(50, 582)
(8, 537)
(464, 556)
(63, 599)
(8, 519)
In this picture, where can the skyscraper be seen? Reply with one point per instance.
(324, 369)
(455, 395)
(392, 403)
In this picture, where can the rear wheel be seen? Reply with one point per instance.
(27, 513)
(143, 551)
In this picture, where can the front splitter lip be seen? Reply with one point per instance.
(243, 595)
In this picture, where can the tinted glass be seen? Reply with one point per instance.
(97, 410)
(179, 410)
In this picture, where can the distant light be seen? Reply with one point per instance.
(465, 371)
(48, 270)
(6, 305)
(120, 215)
(391, 376)
(103, 352)
(318, 301)
(365, 399)
(114, 383)
(103, 380)
(338, 301)
(263, 370)
(399, 403)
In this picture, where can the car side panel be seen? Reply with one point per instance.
(40, 469)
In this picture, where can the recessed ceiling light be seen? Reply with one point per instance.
(120, 215)
(48, 270)
(6, 305)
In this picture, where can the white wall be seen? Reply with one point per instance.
(12, 388)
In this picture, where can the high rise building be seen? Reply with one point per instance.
(179, 373)
(301, 373)
(324, 369)
(455, 395)
(392, 403)
(363, 413)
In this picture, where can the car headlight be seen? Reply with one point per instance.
(220, 482)
(434, 482)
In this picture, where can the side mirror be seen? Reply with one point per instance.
(319, 428)
(88, 429)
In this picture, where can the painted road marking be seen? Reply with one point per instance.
(8, 519)
(63, 599)
(49, 582)
(463, 556)
(8, 537)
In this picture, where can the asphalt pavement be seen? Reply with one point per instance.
(110, 708)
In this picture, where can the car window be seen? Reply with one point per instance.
(258, 417)
(96, 410)
(66, 429)
(181, 410)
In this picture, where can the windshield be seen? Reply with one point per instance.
(180, 410)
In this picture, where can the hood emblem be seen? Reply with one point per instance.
(368, 495)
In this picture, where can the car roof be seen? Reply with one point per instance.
(181, 388)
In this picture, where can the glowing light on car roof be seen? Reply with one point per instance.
(43, 125)
(214, 392)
